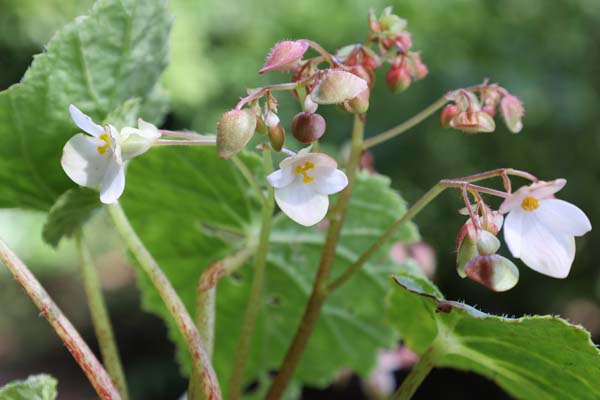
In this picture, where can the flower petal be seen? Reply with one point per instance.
(561, 216)
(281, 177)
(540, 190)
(547, 252)
(134, 142)
(84, 122)
(318, 159)
(82, 162)
(513, 231)
(303, 205)
(113, 183)
(328, 180)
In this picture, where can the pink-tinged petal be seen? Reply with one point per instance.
(84, 122)
(303, 205)
(513, 228)
(284, 55)
(113, 183)
(82, 162)
(328, 180)
(281, 177)
(561, 216)
(549, 253)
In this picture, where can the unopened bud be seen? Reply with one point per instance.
(419, 69)
(234, 131)
(359, 104)
(284, 55)
(307, 127)
(277, 137)
(271, 119)
(487, 243)
(404, 41)
(512, 112)
(309, 105)
(467, 250)
(367, 74)
(493, 271)
(337, 86)
(473, 122)
(398, 79)
(448, 114)
(489, 110)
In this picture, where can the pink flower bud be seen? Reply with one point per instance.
(398, 79)
(234, 131)
(284, 55)
(493, 271)
(307, 127)
(336, 86)
(359, 104)
(512, 112)
(364, 73)
(447, 114)
(489, 110)
(277, 137)
(419, 70)
(404, 42)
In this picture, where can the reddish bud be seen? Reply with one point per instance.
(284, 55)
(493, 271)
(307, 127)
(491, 111)
(419, 69)
(359, 104)
(398, 79)
(447, 114)
(404, 41)
(512, 112)
(234, 131)
(277, 137)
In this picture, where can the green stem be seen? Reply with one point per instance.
(72, 340)
(406, 125)
(249, 177)
(201, 361)
(417, 375)
(256, 290)
(319, 292)
(100, 318)
(205, 322)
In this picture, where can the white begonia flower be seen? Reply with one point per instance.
(97, 160)
(540, 229)
(303, 185)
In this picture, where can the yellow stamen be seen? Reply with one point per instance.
(106, 139)
(302, 170)
(530, 204)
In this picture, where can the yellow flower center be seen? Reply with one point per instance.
(102, 149)
(530, 204)
(303, 169)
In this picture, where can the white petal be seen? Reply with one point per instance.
(281, 177)
(539, 190)
(82, 162)
(303, 205)
(547, 252)
(113, 183)
(561, 216)
(134, 142)
(513, 231)
(328, 180)
(318, 159)
(84, 122)
(148, 130)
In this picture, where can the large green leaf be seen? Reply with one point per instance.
(538, 357)
(186, 203)
(97, 62)
(37, 387)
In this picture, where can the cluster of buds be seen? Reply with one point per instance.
(472, 110)
(395, 43)
(538, 228)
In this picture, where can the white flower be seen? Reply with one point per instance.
(303, 184)
(97, 160)
(540, 229)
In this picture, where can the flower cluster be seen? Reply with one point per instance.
(538, 228)
(472, 113)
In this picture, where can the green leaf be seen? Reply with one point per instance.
(96, 62)
(199, 203)
(36, 387)
(537, 357)
(69, 213)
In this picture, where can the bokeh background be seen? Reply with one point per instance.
(546, 53)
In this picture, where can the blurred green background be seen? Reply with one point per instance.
(546, 53)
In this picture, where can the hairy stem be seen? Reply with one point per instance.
(319, 291)
(200, 359)
(205, 322)
(417, 375)
(256, 290)
(100, 318)
(64, 329)
(406, 125)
